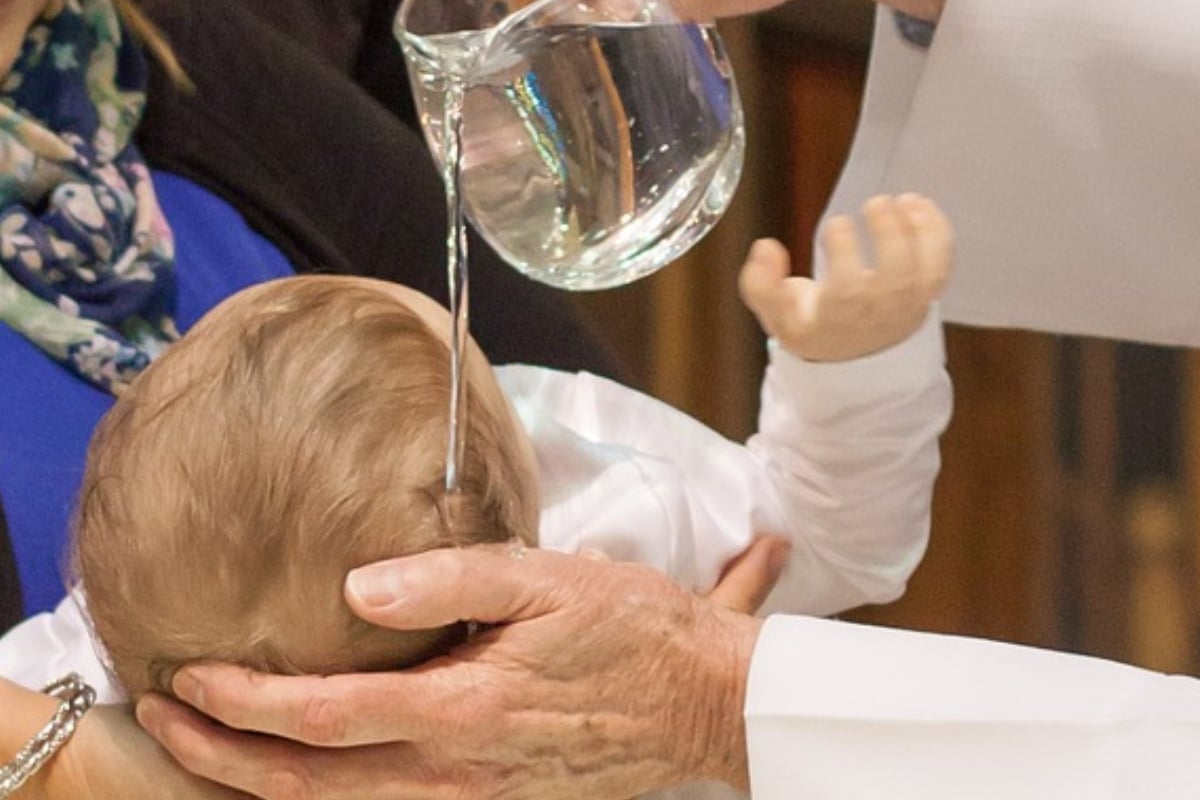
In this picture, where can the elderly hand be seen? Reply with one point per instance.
(599, 680)
(854, 310)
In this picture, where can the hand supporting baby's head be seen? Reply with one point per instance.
(297, 432)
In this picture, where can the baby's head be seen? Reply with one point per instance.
(298, 431)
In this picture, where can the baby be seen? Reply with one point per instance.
(299, 431)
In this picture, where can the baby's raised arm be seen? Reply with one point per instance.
(854, 310)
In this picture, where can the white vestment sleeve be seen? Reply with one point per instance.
(895, 70)
(850, 712)
(1060, 137)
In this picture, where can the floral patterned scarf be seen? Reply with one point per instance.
(85, 253)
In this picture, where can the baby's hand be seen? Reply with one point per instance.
(854, 310)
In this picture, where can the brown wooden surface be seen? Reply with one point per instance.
(987, 571)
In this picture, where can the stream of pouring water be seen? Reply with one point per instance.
(457, 278)
(595, 153)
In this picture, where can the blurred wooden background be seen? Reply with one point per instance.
(1064, 514)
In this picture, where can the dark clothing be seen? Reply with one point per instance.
(10, 587)
(333, 178)
(353, 36)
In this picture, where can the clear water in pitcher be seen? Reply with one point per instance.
(590, 155)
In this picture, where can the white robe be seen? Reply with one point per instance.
(850, 712)
(1061, 136)
(844, 464)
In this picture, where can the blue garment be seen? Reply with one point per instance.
(47, 414)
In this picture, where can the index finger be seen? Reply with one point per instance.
(439, 587)
(484, 583)
(844, 262)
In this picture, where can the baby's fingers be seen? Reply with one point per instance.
(761, 280)
(894, 256)
(933, 241)
(843, 258)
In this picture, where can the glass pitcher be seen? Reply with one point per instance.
(600, 139)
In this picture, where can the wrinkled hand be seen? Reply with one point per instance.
(600, 680)
(109, 757)
(747, 580)
(854, 310)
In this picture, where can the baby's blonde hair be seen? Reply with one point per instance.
(298, 431)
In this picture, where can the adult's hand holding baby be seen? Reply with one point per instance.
(648, 693)
(854, 309)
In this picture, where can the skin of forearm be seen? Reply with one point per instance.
(25, 712)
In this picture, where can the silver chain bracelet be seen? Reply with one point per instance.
(75, 698)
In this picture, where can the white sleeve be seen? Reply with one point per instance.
(851, 712)
(851, 455)
(843, 465)
(1029, 93)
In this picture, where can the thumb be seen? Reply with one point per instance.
(767, 265)
(485, 583)
(749, 578)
